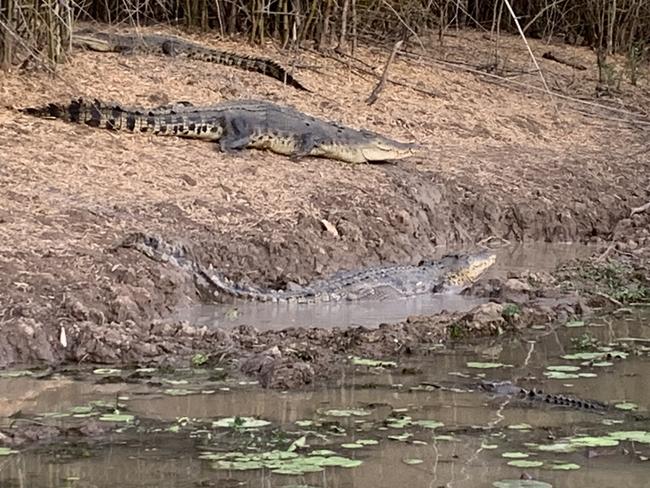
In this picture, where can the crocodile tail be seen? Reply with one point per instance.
(269, 68)
(81, 111)
(227, 286)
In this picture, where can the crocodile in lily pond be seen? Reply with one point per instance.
(452, 273)
(238, 124)
(537, 396)
(175, 46)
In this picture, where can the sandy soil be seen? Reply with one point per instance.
(502, 161)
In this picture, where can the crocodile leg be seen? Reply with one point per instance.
(306, 143)
(236, 135)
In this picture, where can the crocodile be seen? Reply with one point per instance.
(236, 125)
(450, 274)
(536, 396)
(177, 47)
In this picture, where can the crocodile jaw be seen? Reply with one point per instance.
(383, 150)
(469, 269)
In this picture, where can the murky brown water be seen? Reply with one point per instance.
(480, 425)
(370, 313)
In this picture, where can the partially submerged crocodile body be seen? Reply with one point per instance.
(451, 273)
(536, 396)
(238, 124)
(175, 46)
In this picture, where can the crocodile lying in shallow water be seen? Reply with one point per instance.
(175, 46)
(452, 273)
(238, 124)
(538, 396)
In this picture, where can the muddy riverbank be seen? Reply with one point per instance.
(501, 164)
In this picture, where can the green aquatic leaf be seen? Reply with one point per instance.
(523, 463)
(443, 438)
(640, 436)
(351, 445)
(178, 392)
(322, 452)
(515, 455)
(626, 406)
(356, 412)
(6, 451)
(117, 417)
(565, 466)
(298, 443)
(489, 446)
(560, 375)
(521, 484)
(602, 364)
(15, 373)
(592, 356)
(402, 437)
(240, 422)
(412, 461)
(522, 426)
(428, 424)
(373, 363)
(575, 323)
(587, 375)
(563, 367)
(559, 447)
(592, 441)
(487, 365)
(367, 442)
(107, 371)
(82, 409)
(304, 423)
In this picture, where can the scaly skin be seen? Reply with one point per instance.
(175, 46)
(238, 125)
(443, 275)
(535, 395)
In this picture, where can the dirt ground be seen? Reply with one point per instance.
(502, 161)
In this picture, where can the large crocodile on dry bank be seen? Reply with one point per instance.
(175, 46)
(238, 124)
(452, 273)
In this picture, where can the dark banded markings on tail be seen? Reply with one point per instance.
(74, 111)
(130, 122)
(95, 116)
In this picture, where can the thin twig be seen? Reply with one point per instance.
(640, 209)
(384, 76)
(532, 56)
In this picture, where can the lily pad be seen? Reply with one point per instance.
(560, 375)
(6, 451)
(373, 363)
(521, 484)
(565, 466)
(479, 365)
(523, 463)
(563, 367)
(515, 455)
(15, 373)
(351, 445)
(107, 371)
(240, 422)
(520, 426)
(117, 417)
(412, 461)
(626, 406)
(428, 424)
(178, 392)
(351, 412)
(592, 441)
(575, 323)
(641, 436)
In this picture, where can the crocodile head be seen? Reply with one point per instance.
(380, 148)
(460, 271)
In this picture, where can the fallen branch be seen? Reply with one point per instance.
(553, 57)
(384, 76)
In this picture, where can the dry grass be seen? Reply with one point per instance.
(507, 141)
